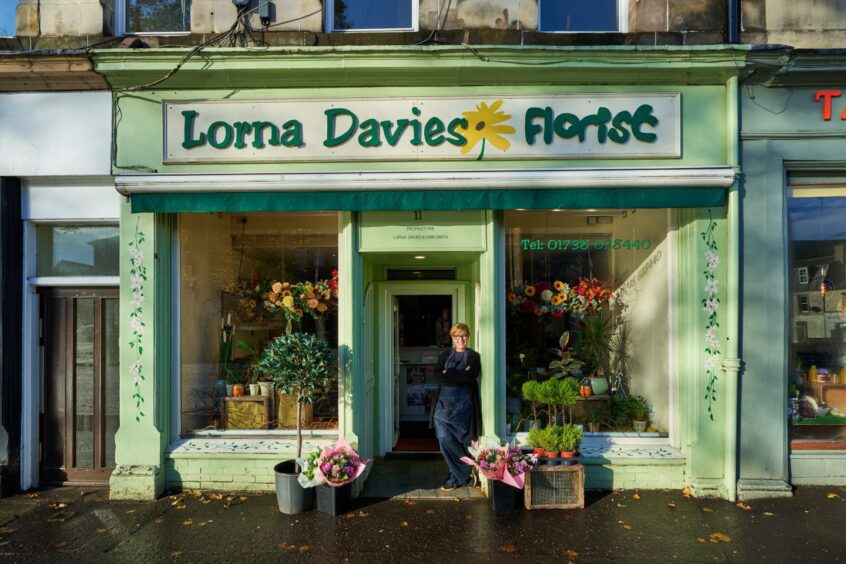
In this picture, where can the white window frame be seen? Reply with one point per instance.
(622, 19)
(329, 9)
(121, 27)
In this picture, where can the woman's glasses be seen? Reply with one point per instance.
(460, 337)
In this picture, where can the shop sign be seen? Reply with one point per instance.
(422, 231)
(824, 98)
(584, 126)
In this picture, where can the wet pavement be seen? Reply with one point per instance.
(81, 525)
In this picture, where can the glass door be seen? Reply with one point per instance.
(81, 381)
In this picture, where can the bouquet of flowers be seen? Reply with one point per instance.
(309, 477)
(339, 464)
(503, 463)
(589, 296)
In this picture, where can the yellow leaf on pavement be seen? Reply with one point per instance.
(832, 495)
(686, 492)
(671, 505)
(707, 510)
(403, 523)
(636, 497)
(719, 537)
(508, 548)
(188, 522)
(571, 554)
(768, 514)
(101, 531)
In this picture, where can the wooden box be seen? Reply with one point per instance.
(247, 412)
(556, 487)
(287, 412)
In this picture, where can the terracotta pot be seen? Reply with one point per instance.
(551, 454)
(569, 454)
(238, 390)
(538, 451)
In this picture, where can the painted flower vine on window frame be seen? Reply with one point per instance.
(137, 280)
(711, 304)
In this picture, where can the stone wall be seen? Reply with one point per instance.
(819, 24)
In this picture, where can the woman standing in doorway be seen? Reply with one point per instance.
(457, 405)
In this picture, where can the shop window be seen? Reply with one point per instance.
(589, 290)
(579, 15)
(7, 19)
(149, 16)
(817, 317)
(76, 250)
(371, 15)
(245, 280)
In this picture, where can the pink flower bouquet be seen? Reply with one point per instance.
(339, 464)
(503, 463)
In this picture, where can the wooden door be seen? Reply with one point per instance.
(81, 380)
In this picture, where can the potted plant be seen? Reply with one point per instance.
(531, 394)
(640, 414)
(565, 393)
(594, 345)
(549, 443)
(256, 378)
(594, 418)
(224, 355)
(535, 439)
(298, 364)
(570, 439)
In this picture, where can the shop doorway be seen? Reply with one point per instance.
(79, 416)
(416, 318)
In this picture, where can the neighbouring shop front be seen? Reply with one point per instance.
(376, 212)
(793, 427)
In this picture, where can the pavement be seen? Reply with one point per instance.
(81, 525)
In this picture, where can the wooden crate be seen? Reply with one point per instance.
(556, 487)
(247, 412)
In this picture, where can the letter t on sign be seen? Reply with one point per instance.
(826, 96)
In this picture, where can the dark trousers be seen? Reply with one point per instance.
(452, 427)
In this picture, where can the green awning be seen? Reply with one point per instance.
(428, 200)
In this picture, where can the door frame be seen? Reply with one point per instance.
(101, 474)
(386, 291)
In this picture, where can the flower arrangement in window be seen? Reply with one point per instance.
(557, 298)
(256, 298)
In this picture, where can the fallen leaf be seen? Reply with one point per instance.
(468, 517)
(636, 497)
(621, 505)
(700, 539)
(158, 520)
(305, 548)
(686, 492)
(719, 537)
(627, 527)
(571, 554)
(176, 554)
(671, 505)
(202, 524)
(285, 546)
(409, 502)
(363, 514)
(707, 510)
(430, 512)
(620, 522)
(743, 506)
(243, 498)
(230, 497)
(216, 497)
(188, 522)
(128, 511)
(832, 495)
(455, 499)
(768, 514)
(57, 505)
(60, 544)
(32, 495)
(404, 524)
(101, 531)
(508, 548)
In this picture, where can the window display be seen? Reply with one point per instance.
(588, 300)
(817, 312)
(245, 280)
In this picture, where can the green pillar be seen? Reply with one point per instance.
(492, 327)
(145, 355)
(351, 424)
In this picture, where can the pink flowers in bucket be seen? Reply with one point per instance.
(339, 464)
(503, 463)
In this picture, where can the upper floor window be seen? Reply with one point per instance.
(7, 19)
(580, 15)
(151, 16)
(371, 15)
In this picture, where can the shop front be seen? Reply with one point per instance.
(381, 205)
(793, 427)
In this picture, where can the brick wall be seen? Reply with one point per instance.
(635, 475)
(822, 468)
(222, 473)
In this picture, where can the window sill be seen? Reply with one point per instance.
(624, 448)
(272, 446)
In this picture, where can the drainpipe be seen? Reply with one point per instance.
(731, 360)
(733, 22)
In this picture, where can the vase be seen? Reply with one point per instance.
(264, 388)
(334, 501)
(254, 389)
(639, 426)
(229, 390)
(238, 390)
(599, 385)
(504, 497)
(291, 497)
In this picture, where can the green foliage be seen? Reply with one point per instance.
(565, 364)
(640, 409)
(298, 364)
(536, 437)
(550, 438)
(565, 392)
(595, 414)
(531, 390)
(625, 410)
(224, 352)
(571, 438)
(594, 341)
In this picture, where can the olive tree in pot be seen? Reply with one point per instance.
(299, 364)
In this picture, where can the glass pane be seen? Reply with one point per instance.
(817, 308)
(230, 265)
(578, 15)
(84, 384)
(7, 19)
(600, 277)
(111, 373)
(77, 250)
(372, 14)
(158, 15)
(56, 339)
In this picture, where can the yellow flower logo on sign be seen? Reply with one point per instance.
(483, 125)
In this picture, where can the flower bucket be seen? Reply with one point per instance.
(505, 497)
(291, 497)
(334, 500)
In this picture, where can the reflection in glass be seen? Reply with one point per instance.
(111, 378)
(7, 19)
(158, 15)
(578, 15)
(77, 250)
(84, 384)
(372, 14)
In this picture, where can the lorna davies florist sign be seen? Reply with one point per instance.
(478, 128)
